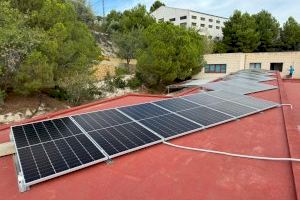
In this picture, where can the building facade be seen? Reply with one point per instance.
(219, 65)
(205, 24)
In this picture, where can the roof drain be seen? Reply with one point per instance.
(232, 154)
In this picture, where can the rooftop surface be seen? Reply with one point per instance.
(164, 172)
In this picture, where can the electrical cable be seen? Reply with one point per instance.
(232, 154)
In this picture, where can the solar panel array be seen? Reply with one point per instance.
(243, 82)
(51, 148)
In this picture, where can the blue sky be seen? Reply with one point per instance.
(281, 9)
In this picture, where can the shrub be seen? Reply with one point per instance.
(134, 83)
(120, 71)
(79, 88)
(118, 82)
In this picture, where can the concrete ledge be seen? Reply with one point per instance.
(7, 148)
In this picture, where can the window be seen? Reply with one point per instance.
(217, 27)
(161, 20)
(218, 21)
(215, 68)
(202, 25)
(194, 24)
(183, 24)
(255, 66)
(172, 19)
(276, 66)
(194, 17)
(202, 19)
(209, 26)
(182, 17)
(210, 20)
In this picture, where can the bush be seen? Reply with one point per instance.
(34, 74)
(120, 71)
(134, 83)
(79, 88)
(58, 93)
(118, 82)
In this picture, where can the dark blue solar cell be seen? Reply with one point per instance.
(170, 125)
(19, 136)
(68, 154)
(123, 138)
(28, 165)
(176, 104)
(55, 157)
(42, 161)
(101, 119)
(205, 116)
(31, 134)
(143, 111)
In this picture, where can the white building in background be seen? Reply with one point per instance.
(206, 24)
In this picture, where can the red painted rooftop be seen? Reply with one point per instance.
(163, 172)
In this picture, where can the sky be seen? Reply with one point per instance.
(281, 9)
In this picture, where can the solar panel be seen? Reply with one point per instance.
(239, 87)
(101, 119)
(226, 95)
(234, 109)
(206, 116)
(51, 148)
(124, 138)
(255, 103)
(170, 126)
(203, 99)
(143, 111)
(176, 104)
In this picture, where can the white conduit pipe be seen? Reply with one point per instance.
(232, 154)
(287, 104)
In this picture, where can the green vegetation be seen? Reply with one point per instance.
(44, 44)
(268, 28)
(240, 33)
(169, 52)
(156, 5)
(128, 43)
(258, 33)
(290, 35)
(135, 18)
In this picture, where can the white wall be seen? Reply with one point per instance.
(167, 13)
(239, 61)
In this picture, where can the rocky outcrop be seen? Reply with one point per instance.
(105, 43)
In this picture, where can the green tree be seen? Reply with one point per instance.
(240, 33)
(70, 46)
(169, 52)
(290, 35)
(34, 75)
(128, 43)
(268, 28)
(27, 6)
(135, 18)
(62, 48)
(156, 5)
(112, 22)
(84, 12)
(17, 40)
